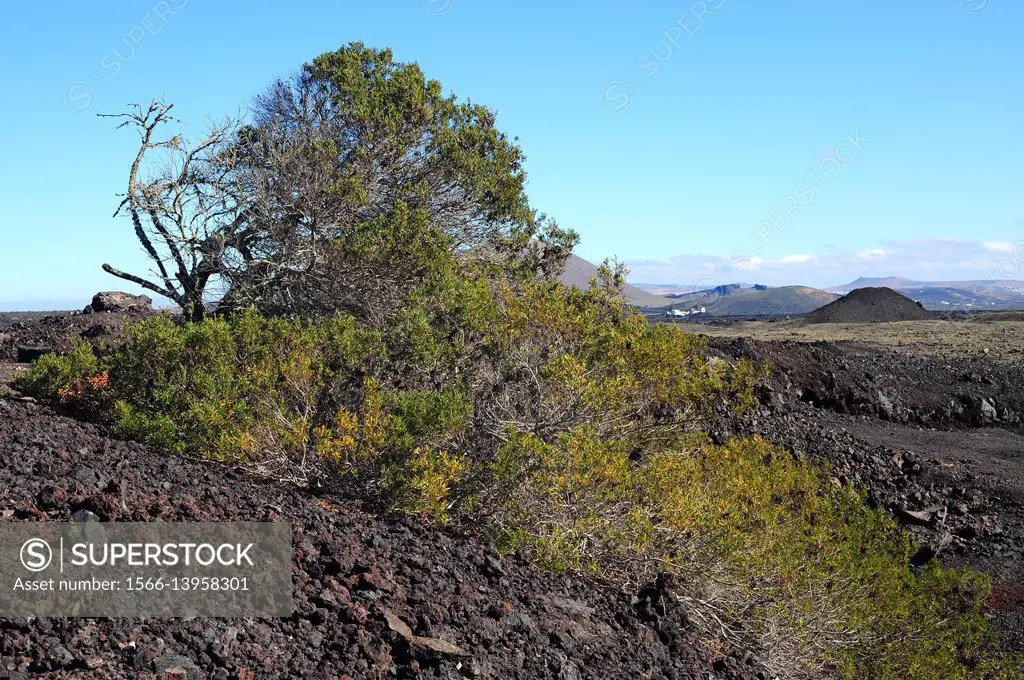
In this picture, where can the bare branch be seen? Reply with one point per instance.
(171, 295)
(182, 208)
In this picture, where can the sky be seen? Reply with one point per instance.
(785, 142)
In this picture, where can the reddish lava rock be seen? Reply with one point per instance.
(465, 611)
(1005, 597)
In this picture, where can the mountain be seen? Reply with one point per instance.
(989, 294)
(717, 291)
(578, 272)
(893, 282)
(746, 299)
(670, 289)
(732, 300)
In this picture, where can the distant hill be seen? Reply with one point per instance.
(578, 272)
(864, 305)
(893, 282)
(717, 291)
(669, 289)
(949, 295)
(732, 300)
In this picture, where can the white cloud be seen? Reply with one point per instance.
(998, 246)
(749, 264)
(920, 259)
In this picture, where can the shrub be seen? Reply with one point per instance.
(767, 552)
(353, 440)
(425, 484)
(288, 398)
(567, 358)
(558, 421)
(403, 443)
(71, 379)
(245, 389)
(361, 179)
(429, 416)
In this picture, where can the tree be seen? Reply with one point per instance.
(186, 212)
(363, 178)
(355, 183)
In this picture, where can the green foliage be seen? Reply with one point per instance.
(55, 376)
(425, 484)
(246, 389)
(430, 417)
(372, 183)
(763, 544)
(292, 399)
(391, 104)
(569, 358)
(419, 345)
(562, 422)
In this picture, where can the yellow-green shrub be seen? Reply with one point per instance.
(245, 389)
(568, 358)
(53, 374)
(560, 421)
(764, 547)
(404, 442)
(426, 483)
(353, 439)
(286, 398)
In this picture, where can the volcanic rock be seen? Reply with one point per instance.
(26, 354)
(360, 582)
(869, 305)
(117, 301)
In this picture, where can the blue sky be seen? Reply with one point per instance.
(776, 142)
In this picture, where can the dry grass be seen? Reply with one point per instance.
(1002, 340)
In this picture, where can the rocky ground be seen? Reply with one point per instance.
(939, 443)
(862, 380)
(102, 320)
(376, 597)
(56, 330)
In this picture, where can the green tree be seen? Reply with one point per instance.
(365, 179)
(355, 182)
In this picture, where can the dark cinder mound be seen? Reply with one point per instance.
(869, 305)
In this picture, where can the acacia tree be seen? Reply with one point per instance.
(183, 204)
